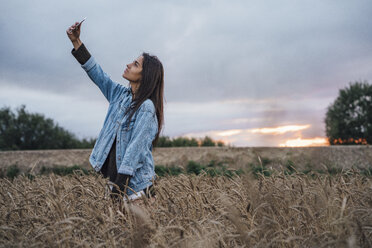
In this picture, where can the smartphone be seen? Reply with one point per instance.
(76, 26)
(80, 22)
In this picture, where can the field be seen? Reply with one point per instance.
(315, 158)
(297, 210)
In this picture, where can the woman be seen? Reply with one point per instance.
(123, 150)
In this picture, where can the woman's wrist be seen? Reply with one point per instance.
(77, 43)
(81, 54)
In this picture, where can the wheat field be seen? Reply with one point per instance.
(190, 211)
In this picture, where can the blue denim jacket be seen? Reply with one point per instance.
(134, 143)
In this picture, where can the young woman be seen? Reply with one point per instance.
(123, 150)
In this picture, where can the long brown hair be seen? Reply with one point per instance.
(151, 87)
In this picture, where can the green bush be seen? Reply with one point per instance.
(258, 169)
(290, 168)
(239, 171)
(194, 168)
(213, 172)
(162, 171)
(366, 171)
(213, 163)
(30, 176)
(334, 170)
(12, 171)
(265, 161)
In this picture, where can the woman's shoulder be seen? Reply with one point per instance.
(147, 105)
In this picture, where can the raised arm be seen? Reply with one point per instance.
(110, 89)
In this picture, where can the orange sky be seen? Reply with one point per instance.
(284, 136)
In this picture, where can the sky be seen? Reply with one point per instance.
(249, 73)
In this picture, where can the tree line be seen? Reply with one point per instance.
(33, 131)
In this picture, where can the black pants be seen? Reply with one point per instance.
(109, 170)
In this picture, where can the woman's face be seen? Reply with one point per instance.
(133, 71)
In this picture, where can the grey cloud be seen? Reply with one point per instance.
(228, 50)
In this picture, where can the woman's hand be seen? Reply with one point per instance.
(120, 182)
(73, 33)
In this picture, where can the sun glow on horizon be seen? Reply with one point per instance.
(280, 129)
(299, 142)
(229, 132)
(265, 136)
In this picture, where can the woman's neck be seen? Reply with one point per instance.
(134, 88)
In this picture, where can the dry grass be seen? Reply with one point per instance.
(190, 211)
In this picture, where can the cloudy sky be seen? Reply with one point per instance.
(250, 73)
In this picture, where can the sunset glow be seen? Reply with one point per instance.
(229, 132)
(280, 129)
(305, 142)
(274, 136)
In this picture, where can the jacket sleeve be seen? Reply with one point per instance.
(110, 89)
(81, 54)
(143, 133)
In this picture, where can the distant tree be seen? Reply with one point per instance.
(184, 141)
(349, 118)
(180, 141)
(207, 141)
(165, 141)
(220, 143)
(193, 142)
(30, 131)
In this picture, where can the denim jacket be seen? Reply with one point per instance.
(134, 143)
